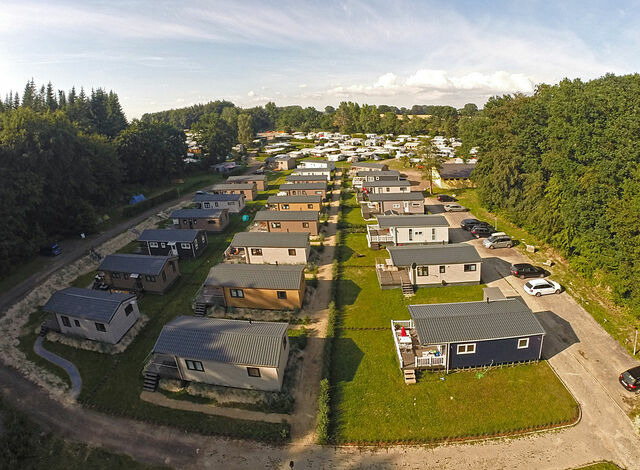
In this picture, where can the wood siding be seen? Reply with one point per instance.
(498, 351)
(158, 286)
(296, 206)
(209, 224)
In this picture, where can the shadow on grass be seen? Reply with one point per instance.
(348, 292)
(350, 358)
(560, 334)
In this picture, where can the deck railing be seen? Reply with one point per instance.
(429, 361)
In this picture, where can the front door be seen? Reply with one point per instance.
(410, 234)
(406, 206)
(174, 249)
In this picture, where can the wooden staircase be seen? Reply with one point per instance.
(406, 285)
(150, 383)
(409, 376)
(200, 309)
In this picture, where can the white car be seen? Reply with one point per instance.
(540, 287)
(454, 208)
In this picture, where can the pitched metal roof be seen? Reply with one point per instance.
(296, 178)
(271, 239)
(134, 264)
(257, 276)
(252, 343)
(196, 213)
(474, 321)
(311, 170)
(410, 196)
(247, 178)
(369, 165)
(386, 221)
(217, 197)
(90, 304)
(433, 254)
(307, 198)
(229, 186)
(287, 215)
(168, 235)
(378, 173)
(288, 186)
(456, 170)
(390, 183)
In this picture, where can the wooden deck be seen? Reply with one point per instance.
(389, 278)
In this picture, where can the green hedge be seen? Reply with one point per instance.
(142, 206)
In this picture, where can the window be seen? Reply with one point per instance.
(216, 204)
(309, 206)
(173, 265)
(77, 323)
(163, 245)
(388, 189)
(204, 238)
(305, 224)
(126, 276)
(150, 278)
(164, 276)
(418, 233)
(433, 234)
(256, 251)
(423, 270)
(185, 221)
(194, 365)
(185, 246)
(443, 269)
(65, 321)
(211, 222)
(207, 205)
(239, 293)
(396, 206)
(275, 224)
(195, 221)
(292, 251)
(195, 243)
(523, 343)
(282, 294)
(153, 244)
(115, 275)
(100, 327)
(285, 207)
(469, 348)
(128, 309)
(469, 268)
(253, 371)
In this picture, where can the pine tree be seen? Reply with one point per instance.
(72, 95)
(62, 100)
(116, 120)
(51, 102)
(29, 95)
(98, 110)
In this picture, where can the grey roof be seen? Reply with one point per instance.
(474, 321)
(378, 173)
(93, 305)
(433, 254)
(196, 213)
(134, 264)
(385, 221)
(287, 215)
(456, 170)
(217, 197)
(390, 183)
(247, 178)
(257, 276)
(311, 170)
(284, 158)
(297, 178)
(253, 343)
(228, 186)
(271, 239)
(410, 196)
(168, 235)
(369, 165)
(307, 198)
(312, 186)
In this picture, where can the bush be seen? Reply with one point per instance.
(323, 412)
(142, 206)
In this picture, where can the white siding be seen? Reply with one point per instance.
(115, 330)
(454, 273)
(421, 235)
(279, 256)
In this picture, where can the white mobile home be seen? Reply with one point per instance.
(401, 230)
(269, 248)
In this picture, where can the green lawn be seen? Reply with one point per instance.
(604, 465)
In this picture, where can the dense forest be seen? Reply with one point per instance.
(66, 158)
(564, 164)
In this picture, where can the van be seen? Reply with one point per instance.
(50, 250)
(498, 240)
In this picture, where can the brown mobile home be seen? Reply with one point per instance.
(139, 272)
(248, 189)
(408, 203)
(288, 221)
(306, 179)
(264, 286)
(210, 220)
(295, 203)
(259, 180)
(305, 189)
(173, 242)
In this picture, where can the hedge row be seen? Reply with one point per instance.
(142, 206)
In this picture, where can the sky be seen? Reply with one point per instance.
(160, 55)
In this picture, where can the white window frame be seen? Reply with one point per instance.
(526, 341)
(153, 244)
(466, 348)
(194, 365)
(470, 268)
(185, 246)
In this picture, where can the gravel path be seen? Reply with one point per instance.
(74, 375)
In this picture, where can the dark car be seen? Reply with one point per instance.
(482, 230)
(630, 379)
(523, 270)
(50, 250)
(446, 198)
(468, 224)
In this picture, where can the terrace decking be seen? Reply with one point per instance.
(390, 276)
(411, 354)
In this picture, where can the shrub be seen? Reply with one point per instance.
(323, 412)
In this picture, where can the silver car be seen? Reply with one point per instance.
(455, 208)
(498, 240)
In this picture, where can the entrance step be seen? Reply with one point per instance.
(150, 383)
(409, 376)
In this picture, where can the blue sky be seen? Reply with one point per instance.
(158, 54)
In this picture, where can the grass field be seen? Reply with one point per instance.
(370, 401)
(600, 466)
(112, 383)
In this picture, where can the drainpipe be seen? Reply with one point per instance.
(540, 353)
(448, 354)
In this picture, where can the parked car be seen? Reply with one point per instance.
(482, 230)
(446, 198)
(630, 379)
(468, 224)
(201, 192)
(523, 270)
(259, 171)
(498, 240)
(50, 250)
(454, 208)
(540, 287)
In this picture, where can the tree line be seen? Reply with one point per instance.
(67, 158)
(563, 164)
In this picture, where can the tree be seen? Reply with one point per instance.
(469, 109)
(430, 161)
(215, 135)
(116, 121)
(389, 123)
(245, 129)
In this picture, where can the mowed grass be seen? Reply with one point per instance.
(373, 404)
(604, 465)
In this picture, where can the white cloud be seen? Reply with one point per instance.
(302, 85)
(251, 94)
(388, 80)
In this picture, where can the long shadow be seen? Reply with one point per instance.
(348, 292)
(350, 356)
(560, 334)
(344, 253)
(435, 208)
(459, 235)
(494, 268)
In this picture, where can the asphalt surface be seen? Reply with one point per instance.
(70, 369)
